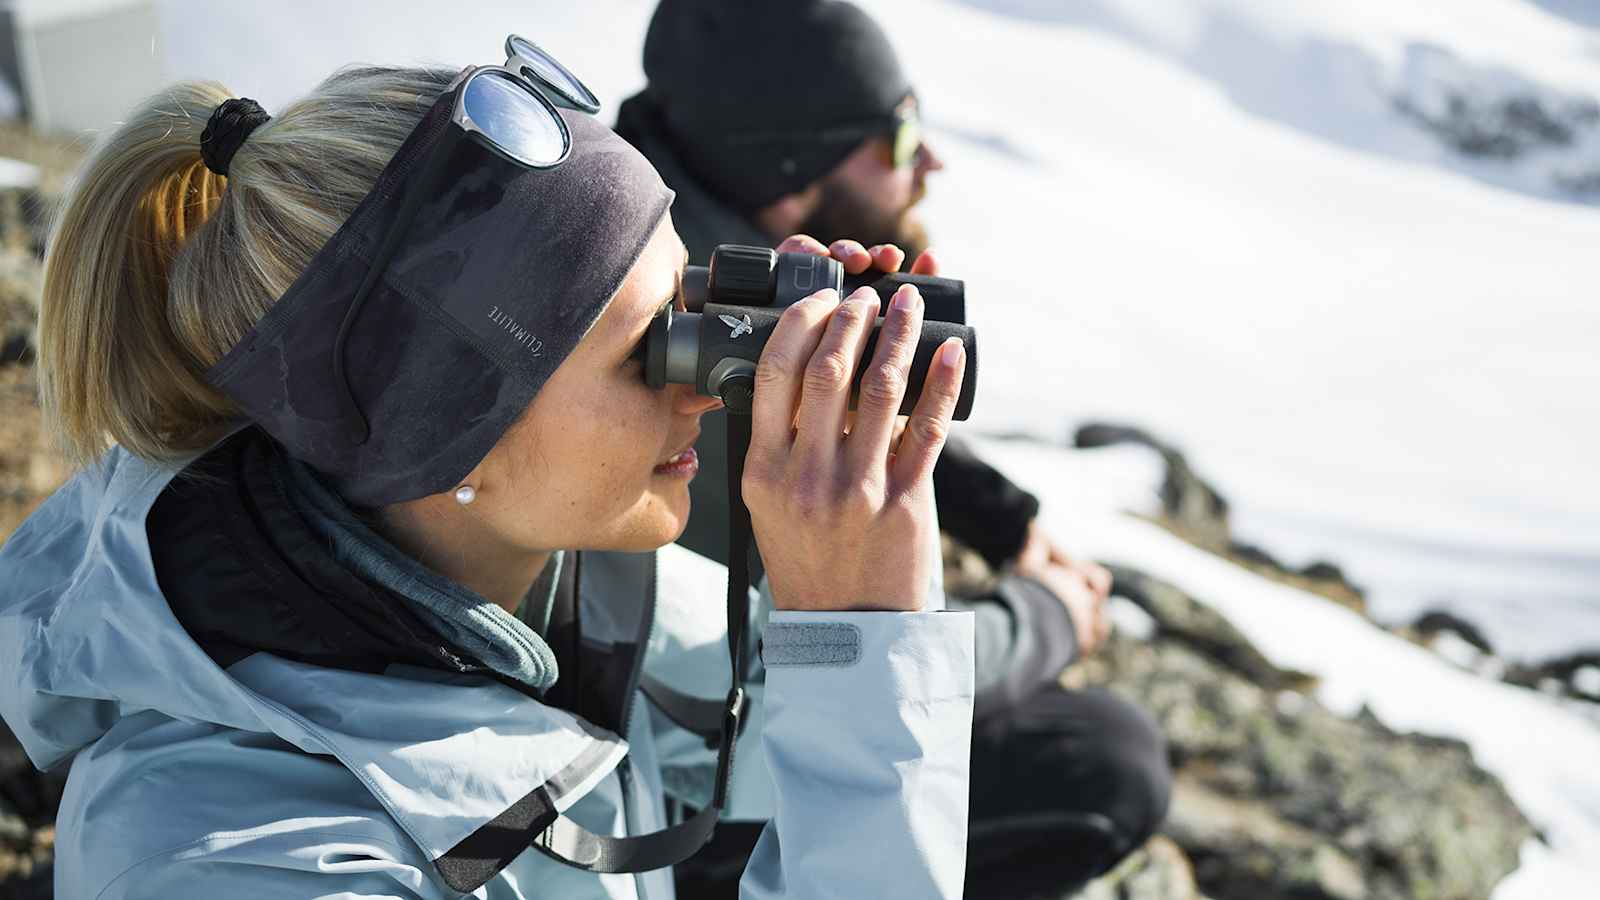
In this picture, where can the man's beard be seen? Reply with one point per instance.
(844, 214)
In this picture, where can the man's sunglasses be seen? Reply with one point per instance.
(903, 127)
(512, 110)
(907, 135)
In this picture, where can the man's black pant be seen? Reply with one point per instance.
(1064, 785)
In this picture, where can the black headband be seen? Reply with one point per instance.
(501, 275)
(229, 125)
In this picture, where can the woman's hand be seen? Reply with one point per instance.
(845, 521)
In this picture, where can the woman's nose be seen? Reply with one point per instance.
(688, 403)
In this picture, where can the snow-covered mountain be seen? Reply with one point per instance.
(1224, 222)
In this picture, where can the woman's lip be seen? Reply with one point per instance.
(688, 445)
(684, 464)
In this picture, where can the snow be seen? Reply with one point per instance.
(1456, 649)
(14, 173)
(1540, 749)
(1210, 219)
(1586, 681)
(1384, 355)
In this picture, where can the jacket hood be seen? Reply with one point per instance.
(84, 629)
(89, 642)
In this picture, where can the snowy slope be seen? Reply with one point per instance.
(1543, 753)
(1231, 235)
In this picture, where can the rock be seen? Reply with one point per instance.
(29, 471)
(28, 801)
(1198, 513)
(1278, 797)
(29, 467)
(1187, 500)
(16, 349)
(1486, 113)
(1437, 621)
(1157, 871)
(1586, 682)
(21, 280)
(1575, 676)
(1178, 618)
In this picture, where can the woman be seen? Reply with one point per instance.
(366, 369)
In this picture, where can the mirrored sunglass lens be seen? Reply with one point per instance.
(907, 140)
(515, 120)
(545, 67)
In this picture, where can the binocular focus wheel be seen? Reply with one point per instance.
(734, 380)
(739, 394)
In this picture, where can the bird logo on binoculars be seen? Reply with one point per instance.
(739, 327)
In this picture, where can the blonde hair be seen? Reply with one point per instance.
(156, 266)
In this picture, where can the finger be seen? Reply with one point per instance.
(781, 370)
(883, 386)
(825, 391)
(887, 257)
(1099, 579)
(930, 420)
(927, 264)
(1057, 554)
(851, 255)
(1035, 549)
(803, 243)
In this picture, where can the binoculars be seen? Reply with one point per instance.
(734, 303)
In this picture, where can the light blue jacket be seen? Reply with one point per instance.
(278, 779)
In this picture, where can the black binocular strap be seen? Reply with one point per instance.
(570, 843)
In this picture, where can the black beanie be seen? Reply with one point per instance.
(749, 91)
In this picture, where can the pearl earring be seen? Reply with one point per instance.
(466, 494)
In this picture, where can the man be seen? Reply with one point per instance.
(780, 118)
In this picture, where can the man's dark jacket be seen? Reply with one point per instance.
(1025, 637)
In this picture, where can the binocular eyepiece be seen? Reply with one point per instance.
(733, 305)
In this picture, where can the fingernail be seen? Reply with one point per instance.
(828, 296)
(953, 358)
(905, 299)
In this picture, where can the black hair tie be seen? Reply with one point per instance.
(228, 127)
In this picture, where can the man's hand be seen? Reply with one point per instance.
(1082, 587)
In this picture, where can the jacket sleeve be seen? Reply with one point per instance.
(1024, 638)
(345, 858)
(980, 507)
(867, 738)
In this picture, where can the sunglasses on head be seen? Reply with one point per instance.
(512, 110)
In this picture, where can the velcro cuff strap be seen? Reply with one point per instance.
(810, 644)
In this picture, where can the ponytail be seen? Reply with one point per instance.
(110, 365)
(157, 266)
